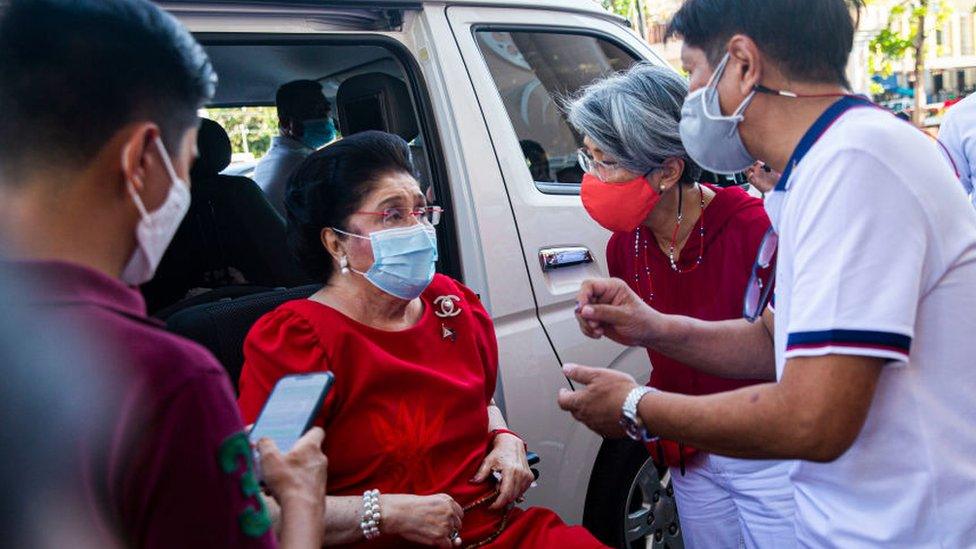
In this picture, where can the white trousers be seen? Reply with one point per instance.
(728, 503)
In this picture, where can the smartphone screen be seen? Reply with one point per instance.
(291, 409)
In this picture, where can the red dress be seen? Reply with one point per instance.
(408, 412)
(734, 226)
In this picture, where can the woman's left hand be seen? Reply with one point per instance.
(507, 457)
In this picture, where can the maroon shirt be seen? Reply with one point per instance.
(734, 226)
(177, 473)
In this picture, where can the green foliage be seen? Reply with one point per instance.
(250, 128)
(893, 43)
(619, 7)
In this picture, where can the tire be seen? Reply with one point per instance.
(627, 504)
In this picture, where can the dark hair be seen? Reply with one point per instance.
(73, 72)
(331, 184)
(299, 99)
(810, 39)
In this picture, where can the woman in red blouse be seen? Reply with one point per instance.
(414, 354)
(685, 248)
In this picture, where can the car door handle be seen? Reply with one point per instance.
(557, 258)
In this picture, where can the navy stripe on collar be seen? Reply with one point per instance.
(817, 130)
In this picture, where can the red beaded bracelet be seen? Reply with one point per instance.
(495, 432)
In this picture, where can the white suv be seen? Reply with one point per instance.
(475, 86)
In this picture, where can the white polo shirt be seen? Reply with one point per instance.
(958, 134)
(877, 257)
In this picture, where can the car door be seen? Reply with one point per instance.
(522, 63)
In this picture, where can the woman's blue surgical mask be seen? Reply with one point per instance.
(403, 259)
(318, 132)
(711, 139)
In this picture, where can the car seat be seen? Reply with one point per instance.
(379, 101)
(222, 326)
(231, 239)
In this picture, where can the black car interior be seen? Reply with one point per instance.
(231, 239)
(229, 263)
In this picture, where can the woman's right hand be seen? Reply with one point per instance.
(609, 307)
(430, 520)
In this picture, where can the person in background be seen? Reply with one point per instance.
(958, 134)
(537, 160)
(872, 337)
(111, 88)
(305, 124)
(762, 177)
(684, 248)
(415, 438)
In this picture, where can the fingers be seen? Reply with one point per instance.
(267, 448)
(596, 315)
(567, 400)
(483, 472)
(506, 492)
(314, 437)
(582, 374)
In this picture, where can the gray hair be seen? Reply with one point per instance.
(633, 117)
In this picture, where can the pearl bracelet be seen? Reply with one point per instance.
(370, 524)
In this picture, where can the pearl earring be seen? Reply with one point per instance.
(344, 265)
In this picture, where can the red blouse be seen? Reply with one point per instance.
(734, 226)
(408, 411)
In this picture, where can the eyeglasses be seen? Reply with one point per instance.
(400, 217)
(757, 293)
(593, 166)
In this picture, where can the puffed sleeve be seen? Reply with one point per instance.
(281, 343)
(487, 344)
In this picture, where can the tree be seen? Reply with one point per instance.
(629, 9)
(910, 23)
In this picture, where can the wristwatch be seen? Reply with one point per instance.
(630, 419)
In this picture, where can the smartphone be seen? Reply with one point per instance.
(292, 407)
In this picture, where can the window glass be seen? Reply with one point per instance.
(534, 71)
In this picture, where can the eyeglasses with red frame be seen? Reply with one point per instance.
(400, 217)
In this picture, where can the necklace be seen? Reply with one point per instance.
(701, 234)
(640, 260)
(647, 268)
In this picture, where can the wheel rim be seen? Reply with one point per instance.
(651, 515)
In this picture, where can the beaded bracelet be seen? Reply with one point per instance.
(370, 524)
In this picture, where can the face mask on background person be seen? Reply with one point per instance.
(619, 207)
(403, 259)
(318, 132)
(156, 229)
(711, 139)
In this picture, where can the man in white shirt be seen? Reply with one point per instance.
(305, 124)
(871, 344)
(958, 134)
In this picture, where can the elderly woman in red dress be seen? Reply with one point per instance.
(413, 435)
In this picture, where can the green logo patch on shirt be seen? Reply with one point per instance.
(236, 458)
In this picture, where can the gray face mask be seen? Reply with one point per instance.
(711, 139)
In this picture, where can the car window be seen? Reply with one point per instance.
(534, 71)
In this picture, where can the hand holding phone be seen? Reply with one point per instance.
(291, 409)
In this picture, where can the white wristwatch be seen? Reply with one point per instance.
(630, 419)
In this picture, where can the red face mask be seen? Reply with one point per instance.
(619, 207)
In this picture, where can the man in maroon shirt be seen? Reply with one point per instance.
(98, 131)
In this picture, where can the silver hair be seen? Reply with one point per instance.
(633, 117)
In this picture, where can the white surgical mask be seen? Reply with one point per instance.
(156, 229)
(403, 259)
(711, 139)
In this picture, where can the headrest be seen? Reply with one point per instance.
(376, 101)
(214, 148)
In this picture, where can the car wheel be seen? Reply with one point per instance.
(630, 503)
